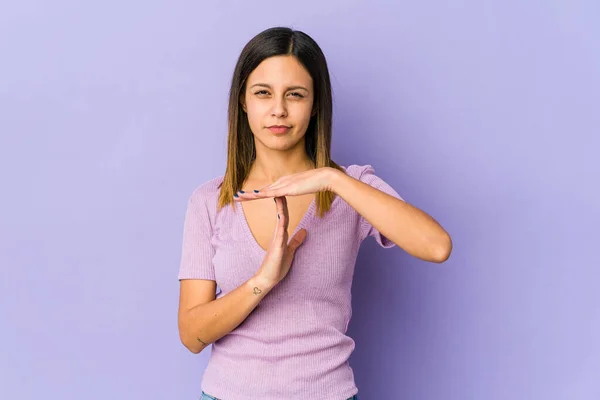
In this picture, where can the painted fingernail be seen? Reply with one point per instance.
(241, 191)
(255, 191)
(235, 195)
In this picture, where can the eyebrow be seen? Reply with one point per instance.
(269, 86)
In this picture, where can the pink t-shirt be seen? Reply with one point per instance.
(294, 344)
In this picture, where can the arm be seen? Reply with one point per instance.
(203, 320)
(407, 226)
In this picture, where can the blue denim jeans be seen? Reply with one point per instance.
(209, 397)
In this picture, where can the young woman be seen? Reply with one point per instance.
(279, 233)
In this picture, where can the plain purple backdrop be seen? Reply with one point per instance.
(484, 114)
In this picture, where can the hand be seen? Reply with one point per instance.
(280, 254)
(312, 181)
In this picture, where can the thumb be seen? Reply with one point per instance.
(297, 240)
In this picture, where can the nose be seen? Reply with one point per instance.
(279, 108)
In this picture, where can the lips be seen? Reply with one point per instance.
(279, 128)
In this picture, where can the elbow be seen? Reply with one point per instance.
(442, 250)
(194, 346)
(189, 340)
(194, 350)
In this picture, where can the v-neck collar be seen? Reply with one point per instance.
(306, 218)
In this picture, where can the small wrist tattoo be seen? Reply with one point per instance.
(257, 291)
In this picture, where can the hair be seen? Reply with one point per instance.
(241, 151)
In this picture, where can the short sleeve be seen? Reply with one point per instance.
(367, 175)
(197, 251)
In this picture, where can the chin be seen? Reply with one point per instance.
(281, 143)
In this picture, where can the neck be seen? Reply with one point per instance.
(271, 165)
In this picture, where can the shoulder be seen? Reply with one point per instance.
(366, 174)
(359, 171)
(207, 193)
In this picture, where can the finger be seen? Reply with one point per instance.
(264, 189)
(269, 193)
(244, 195)
(285, 210)
(277, 224)
(278, 191)
(297, 240)
(282, 234)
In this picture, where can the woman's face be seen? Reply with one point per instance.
(279, 92)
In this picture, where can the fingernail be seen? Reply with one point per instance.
(278, 216)
(235, 195)
(241, 191)
(255, 191)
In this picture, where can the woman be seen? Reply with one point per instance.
(279, 233)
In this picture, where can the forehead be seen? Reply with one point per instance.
(280, 70)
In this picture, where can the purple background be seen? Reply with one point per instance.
(484, 114)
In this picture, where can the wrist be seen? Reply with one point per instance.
(335, 177)
(260, 284)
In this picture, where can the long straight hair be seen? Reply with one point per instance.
(241, 151)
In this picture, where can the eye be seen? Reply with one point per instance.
(261, 92)
(296, 94)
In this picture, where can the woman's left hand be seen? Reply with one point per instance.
(312, 181)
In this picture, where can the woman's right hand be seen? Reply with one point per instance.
(280, 254)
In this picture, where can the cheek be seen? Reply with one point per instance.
(255, 114)
(303, 114)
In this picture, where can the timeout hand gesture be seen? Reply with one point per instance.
(278, 260)
(312, 181)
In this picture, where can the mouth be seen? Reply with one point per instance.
(278, 129)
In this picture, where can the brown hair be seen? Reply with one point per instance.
(241, 151)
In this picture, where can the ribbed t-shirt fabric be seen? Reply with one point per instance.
(293, 345)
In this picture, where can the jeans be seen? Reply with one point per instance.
(209, 397)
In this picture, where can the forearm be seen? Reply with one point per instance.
(407, 226)
(208, 322)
